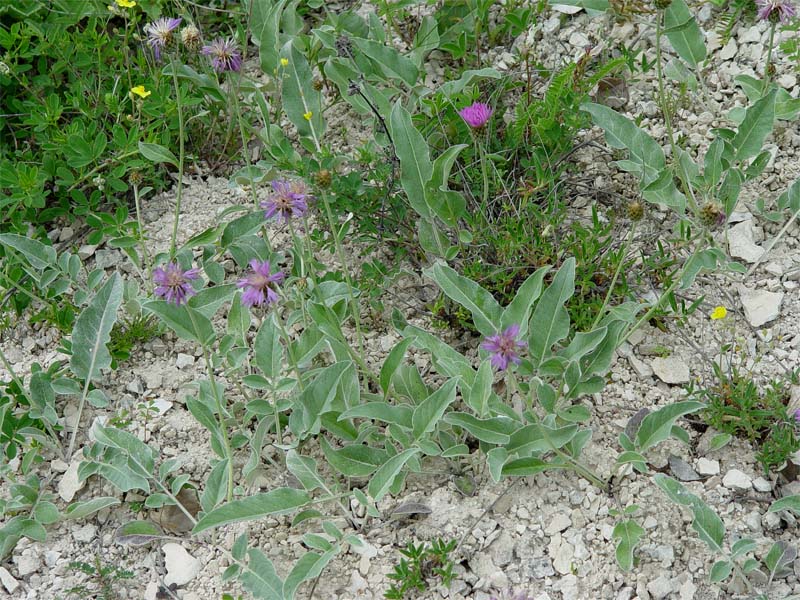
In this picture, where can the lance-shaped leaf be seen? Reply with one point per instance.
(485, 310)
(683, 33)
(275, 502)
(307, 568)
(38, 254)
(428, 413)
(303, 104)
(757, 125)
(550, 321)
(657, 426)
(628, 533)
(265, 17)
(268, 348)
(260, 578)
(79, 510)
(519, 310)
(412, 150)
(384, 477)
(93, 331)
(186, 322)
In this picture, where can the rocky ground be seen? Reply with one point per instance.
(549, 535)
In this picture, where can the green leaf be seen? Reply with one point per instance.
(588, 5)
(519, 310)
(93, 331)
(307, 568)
(140, 455)
(496, 430)
(757, 125)
(656, 427)
(683, 33)
(550, 321)
(719, 440)
(260, 578)
(495, 459)
(216, 486)
(265, 17)
(137, 533)
(276, 502)
(317, 398)
(429, 412)
(478, 395)
(185, 321)
(628, 533)
(207, 301)
(157, 153)
(268, 348)
(305, 469)
(791, 503)
(780, 556)
(299, 96)
(384, 477)
(79, 510)
(720, 571)
(708, 526)
(381, 411)
(389, 59)
(358, 460)
(452, 88)
(38, 254)
(524, 467)
(392, 362)
(485, 310)
(413, 152)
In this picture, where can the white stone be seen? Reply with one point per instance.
(707, 467)
(557, 524)
(578, 40)
(86, 251)
(27, 563)
(750, 36)
(135, 387)
(741, 242)
(762, 485)
(85, 534)
(671, 370)
(729, 51)
(641, 368)
(184, 360)
(8, 581)
(738, 480)
(181, 566)
(562, 561)
(661, 587)
(151, 591)
(760, 307)
(69, 485)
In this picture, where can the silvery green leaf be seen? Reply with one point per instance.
(392, 362)
(305, 469)
(708, 525)
(43, 398)
(299, 96)
(357, 460)
(137, 533)
(720, 571)
(268, 348)
(93, 331)
(307, 568)
(780, 556)
(756, 126)
(39, 255)
(264, 31)
(275, 502)
(79, 510)
(413, 152)
(185, 321)
(391, 62)
(451, 88)
(519, 310)
(317, 399)
(406, 509)
(456, 364)
(656, 427)
(683, 33)
(384, 477)
(208, 300)
(627, 533)
(260, 578)
(549, 323)
(495, 459)
(381, 411)
(742, 546)
(495, 430)
(477, 397)
(524, 467)
(428, 413)
(140, 455)
(791, 503)
(216, 486)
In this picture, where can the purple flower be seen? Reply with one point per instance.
(224, 55)
(288, 199)
(476, 115)
(173, 283)
(797, 415)
(782, 9)
(258, 285)
(159, 34)
(504, 347)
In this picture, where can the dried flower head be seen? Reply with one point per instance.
(224, 55)
(776, 10)
(712, 214)
(504, 348)
(323, 178)
(258, 284)
(173, 284)
(159, 34)
(289, 198)
(635, 210)
(190, 37)
(476, 115)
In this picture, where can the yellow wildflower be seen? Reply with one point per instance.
(719, 312)
(140, 91)
(284, 62)
(126, 3)
(307, 116)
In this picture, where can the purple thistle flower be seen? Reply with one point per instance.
(476, 115)
(258, 285)
(797, 415)
(173, 283)
(782, 9)
(159, 34)
(504, 348)
(288, 199)
(224, 55)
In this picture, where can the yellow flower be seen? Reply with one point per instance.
(719, 312)
(307, 116)
(139, 90)
(126, 3)
(284, 62)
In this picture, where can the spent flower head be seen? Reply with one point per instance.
(224, 53)
(257, 285)
(159, 34)
(289, 198)
(190, 37)
(504, 348)
(173, 284)
(476, 114)
(776, 10)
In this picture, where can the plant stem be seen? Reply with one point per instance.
(616, 276)
(340, 254)
(767, 67)
(484, 172)
(145, 257)
(181, 156)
